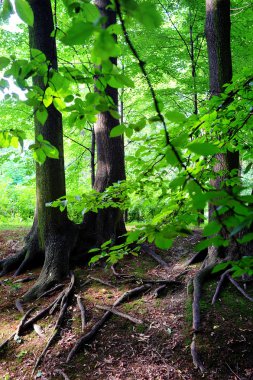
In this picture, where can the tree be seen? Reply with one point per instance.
(218, 36)
(52, 234)
(108, 223)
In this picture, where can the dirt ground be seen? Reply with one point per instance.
(157, 348)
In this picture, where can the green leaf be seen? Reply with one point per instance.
(7, 10)
(117, 131)
(50, 150)
(175, 117)
(4, 62)
(211, 228)
(220, 267)
(42, 115)
(24, 11)
(79, 33)
(162, 242)
(203, 149)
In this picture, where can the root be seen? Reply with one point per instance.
(82, 311)
(197, 287)
(120, 314)
(102, 281)
(10, 263)
(238, 287)
(195, 355)
(65, 302)
(198, 257)
(87, 338)
(218, 288)
(157, 258)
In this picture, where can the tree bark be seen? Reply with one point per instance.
(107, 223)
(218, 36)
(54, 230)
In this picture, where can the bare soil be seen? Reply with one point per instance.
(156, 349)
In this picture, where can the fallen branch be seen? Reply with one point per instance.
(118, 275)
(156, 257)
(219, 285)
(120, 314)
(82, 311)
(238, 287)
(87, 338)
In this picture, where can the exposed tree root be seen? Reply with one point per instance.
(120, 314)
(220, 283)
(157, 258)
(65, 302)
(63, 374)
(82, 311)
(87, 338)
(103, 282)
(195, 355)
(197, 258)
(160, 291)
(238, 287)
(50, 291)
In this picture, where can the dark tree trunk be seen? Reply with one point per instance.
(218, 36)
(54, 231)
(107, 223)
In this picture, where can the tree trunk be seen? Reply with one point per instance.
(107, 223)
(53, 227)
(218, 36)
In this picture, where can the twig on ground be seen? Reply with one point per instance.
(120, 314)
(82, 311)
(87, 338)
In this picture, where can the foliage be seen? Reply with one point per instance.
(170, 150)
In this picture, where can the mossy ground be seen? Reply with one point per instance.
(157, 349)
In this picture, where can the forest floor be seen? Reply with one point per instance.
(157, 348)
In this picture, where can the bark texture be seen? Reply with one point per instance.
(53, 228)
(218, 36)
(107, 223)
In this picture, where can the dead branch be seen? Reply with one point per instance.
(219, 285)
(157, 258)
(102, 282)
(82, 311)
(238, 287)
(120, 314)
(87, 338)
(119, 275)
